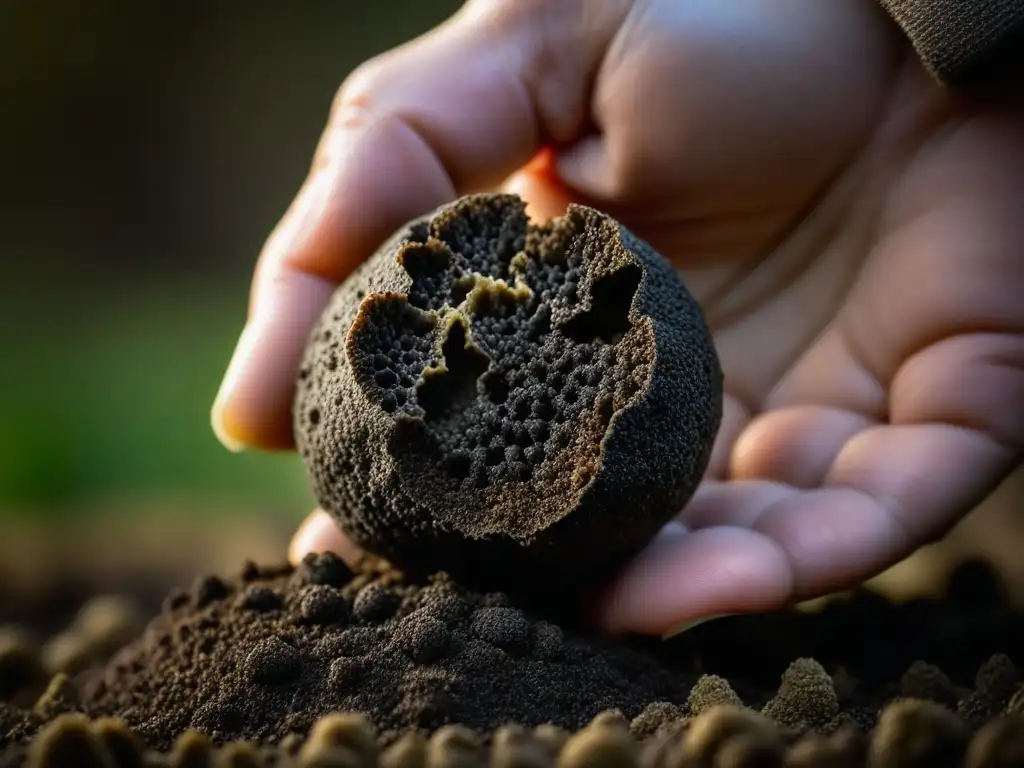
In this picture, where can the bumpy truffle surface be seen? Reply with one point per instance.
(500, 398)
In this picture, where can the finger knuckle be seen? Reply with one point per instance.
(353, 102)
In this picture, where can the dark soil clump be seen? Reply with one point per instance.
(509, 401)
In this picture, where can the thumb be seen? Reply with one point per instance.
(454, 111)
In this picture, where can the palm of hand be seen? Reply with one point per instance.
(852, 230)
(873, 350)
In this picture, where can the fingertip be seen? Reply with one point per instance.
(223, 429)
(228, 423)
(253, 406)
(320, 533)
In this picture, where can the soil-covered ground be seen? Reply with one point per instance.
(321, 666)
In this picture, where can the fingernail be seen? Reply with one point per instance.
(222, 432)
(689, 624)
(223, 416)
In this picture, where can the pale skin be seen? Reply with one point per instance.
(854, 232)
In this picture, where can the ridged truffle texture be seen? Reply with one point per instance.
(502, 399)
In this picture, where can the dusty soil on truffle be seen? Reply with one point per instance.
(266, 655)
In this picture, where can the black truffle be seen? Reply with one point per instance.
(506, 400)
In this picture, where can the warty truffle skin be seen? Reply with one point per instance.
(506, 401)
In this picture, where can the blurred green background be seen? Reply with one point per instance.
(146, 151)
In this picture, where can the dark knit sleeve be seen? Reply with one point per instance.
(964, 42)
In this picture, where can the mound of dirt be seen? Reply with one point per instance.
(253, 671)
(266, 656)
(507, 401)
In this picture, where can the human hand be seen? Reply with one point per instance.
(854, 233)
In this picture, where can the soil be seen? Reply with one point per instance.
(254, 669)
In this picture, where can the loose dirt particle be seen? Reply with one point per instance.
(272, 662)
(918, 734)
(261, 599)
(806, 696)
(928, 682)
(709, 692)
(320, 604)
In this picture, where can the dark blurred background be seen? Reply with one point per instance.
(146, 151)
